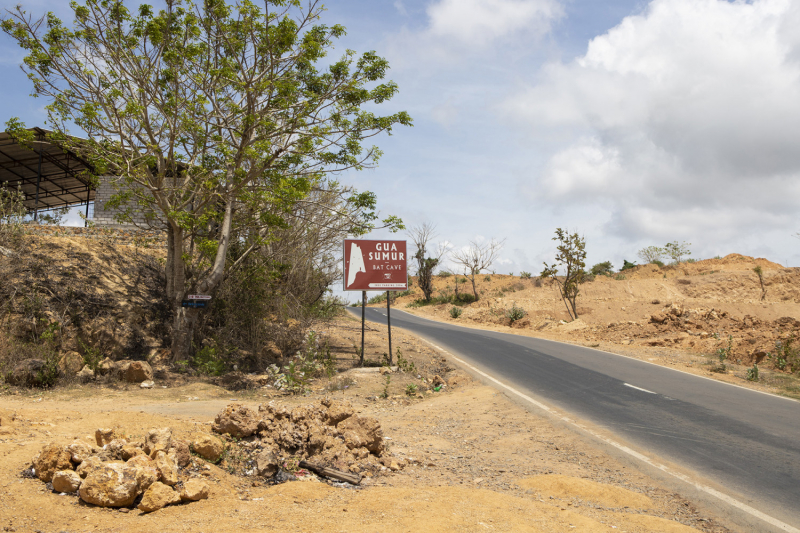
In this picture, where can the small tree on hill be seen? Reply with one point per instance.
(676, 250)
(422, 236)
(651, 254)
(477, 258)
(602, 269)
(571, 257)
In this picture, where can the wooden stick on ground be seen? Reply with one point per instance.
(355, 479)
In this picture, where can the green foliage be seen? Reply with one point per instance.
(487, 278)
(515, 313)
(91, 355)
(387, 381)
(525, 275)
(676, 250)
(404, 364)
(455, 312)
(223, 120)
(760, 273)
(445, 274)
(48, 375)
(723, 353)
(626, 265)
(752, 373)
(12, 213)
(651, 254)
(786, 356)
(207, 361)
(571, 257)
(658, 262)
(411, 389)
(602, 269)
(621, 277)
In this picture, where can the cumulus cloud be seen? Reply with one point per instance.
(480, 22)
(687, 112)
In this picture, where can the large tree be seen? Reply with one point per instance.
(216, 117)
(476, 258)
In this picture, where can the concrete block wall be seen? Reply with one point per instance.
(109, 186)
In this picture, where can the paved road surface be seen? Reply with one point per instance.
(745, 443)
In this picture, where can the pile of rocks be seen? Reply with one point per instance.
(328, 433)
(117, 473)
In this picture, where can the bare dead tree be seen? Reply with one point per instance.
(477, 258)
(427, 257)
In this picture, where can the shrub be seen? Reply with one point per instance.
(525, 275)
(752, 373)
(651, 254)
(445, 274)
(626, 265)
(411, 389)
(487, 277)
(602, 269)
(620, 277)
(207, 361)
(455, 312)
(537, 282)
(515, 313)
(659, 263)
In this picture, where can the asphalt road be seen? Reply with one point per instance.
(744, 443)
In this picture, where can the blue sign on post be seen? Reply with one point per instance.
(194, 304)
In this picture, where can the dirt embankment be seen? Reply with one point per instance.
(682, 314)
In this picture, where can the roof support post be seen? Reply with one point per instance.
(86, 220)
(38, 181)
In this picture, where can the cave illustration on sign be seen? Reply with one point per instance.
(356, 264)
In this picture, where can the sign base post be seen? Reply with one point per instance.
(389, 323)
(363, 308)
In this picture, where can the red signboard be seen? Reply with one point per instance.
(375, 265)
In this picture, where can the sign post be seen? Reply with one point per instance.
(375, 265)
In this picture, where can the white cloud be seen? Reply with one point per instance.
(480, 22)
(683, 119)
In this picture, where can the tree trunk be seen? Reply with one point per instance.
(474, 290)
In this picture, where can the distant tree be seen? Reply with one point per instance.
(676, 250)
(602, 269)
(477, 258)
(626, 265)
(760, 273)
(651, 254)
(571, 258)
(426, 258)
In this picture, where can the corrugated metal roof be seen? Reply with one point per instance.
(62, 182)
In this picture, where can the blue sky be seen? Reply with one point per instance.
(634, 123)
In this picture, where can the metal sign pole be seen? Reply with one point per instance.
(389, 323)
(363, 306)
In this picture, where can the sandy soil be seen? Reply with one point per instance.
(476, 460)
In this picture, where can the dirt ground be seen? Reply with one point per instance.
(678, 316)
(475, 461)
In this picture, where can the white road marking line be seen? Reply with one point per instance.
(638, 388)
(633, 453)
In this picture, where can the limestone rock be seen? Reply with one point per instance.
(88, 466)
(166, 468)
(28, 373)
(158, 496)
(133, 371)
(104, 436)
(266, 464)
(51, 459)
(157, 440)
(208, 447)
(181, 452)
(85, 375)
(70, 363)
(79, 452)
(194, 490)
(237, 421)
(147, 384)
(129, 451)
(66, 481)
(106, 366)
(362, 431)
(146, 471)
(111, 485)
(338, 411)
